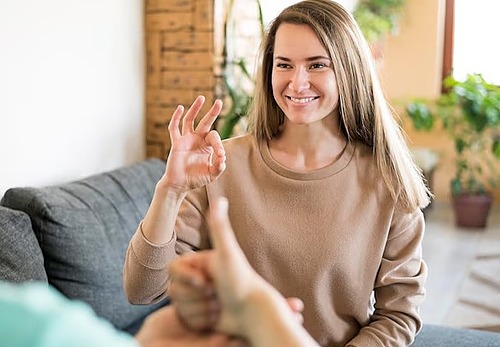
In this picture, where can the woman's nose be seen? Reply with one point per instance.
(299, 80)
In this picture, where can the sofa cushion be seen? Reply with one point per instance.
(446, 336)
(84, 228)
(21, 258)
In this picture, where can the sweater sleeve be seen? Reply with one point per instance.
(399, 286)
(145, 272)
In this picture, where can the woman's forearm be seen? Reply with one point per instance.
(158, 224)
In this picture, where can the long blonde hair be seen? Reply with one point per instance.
(365, 115)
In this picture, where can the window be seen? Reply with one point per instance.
(471, 42)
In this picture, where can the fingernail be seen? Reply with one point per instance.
(223, 204)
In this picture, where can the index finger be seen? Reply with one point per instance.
(208, 120)
(173, 125)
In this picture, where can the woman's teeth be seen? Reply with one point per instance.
(302, 100)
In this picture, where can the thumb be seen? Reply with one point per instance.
(221, 232)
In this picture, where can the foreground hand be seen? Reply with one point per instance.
(163, 329)
(208, 288)
(197, 156)
(195, 299)
(192, 292)
(236, 282)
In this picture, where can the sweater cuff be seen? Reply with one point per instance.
(151, 255)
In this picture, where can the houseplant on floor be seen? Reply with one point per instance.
(470, 113)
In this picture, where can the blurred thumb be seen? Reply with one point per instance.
(221, 232)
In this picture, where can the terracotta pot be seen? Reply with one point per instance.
(472, 210)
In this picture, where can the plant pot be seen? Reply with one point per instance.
(472, 210)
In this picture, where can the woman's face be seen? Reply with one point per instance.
(304, 84)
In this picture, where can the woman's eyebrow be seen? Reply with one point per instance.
(316, 57)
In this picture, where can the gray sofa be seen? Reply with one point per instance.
(74, 236)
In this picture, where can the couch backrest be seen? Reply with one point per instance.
(84, 228)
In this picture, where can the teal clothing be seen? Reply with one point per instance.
(36, 315)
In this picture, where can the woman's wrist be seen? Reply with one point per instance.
(166, 189)
(158, 224)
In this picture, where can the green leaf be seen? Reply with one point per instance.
(496, 147)
(420, 115)
(460, 145)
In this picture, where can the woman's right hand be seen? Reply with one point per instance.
(196, 156)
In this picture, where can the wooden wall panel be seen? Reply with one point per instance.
(180, 63)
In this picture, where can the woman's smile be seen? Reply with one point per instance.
(302, 100)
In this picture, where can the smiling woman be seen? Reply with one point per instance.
(324, 196)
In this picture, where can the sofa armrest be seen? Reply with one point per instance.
(21, 258)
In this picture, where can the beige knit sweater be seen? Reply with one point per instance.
(332, 237)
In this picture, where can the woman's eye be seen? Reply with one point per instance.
(318, 66)
(282, 65)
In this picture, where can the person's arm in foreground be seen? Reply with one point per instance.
(35, 315)
(249, 306)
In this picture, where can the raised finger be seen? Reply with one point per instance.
(173, 125)
(208, 120)
(188, 121)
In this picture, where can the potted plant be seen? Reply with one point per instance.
(470, 113)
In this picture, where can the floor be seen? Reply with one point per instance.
(449, 252)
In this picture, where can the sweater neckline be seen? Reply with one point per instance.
(324, 172)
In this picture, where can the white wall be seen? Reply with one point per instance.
(271, 9)
(71, 89)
